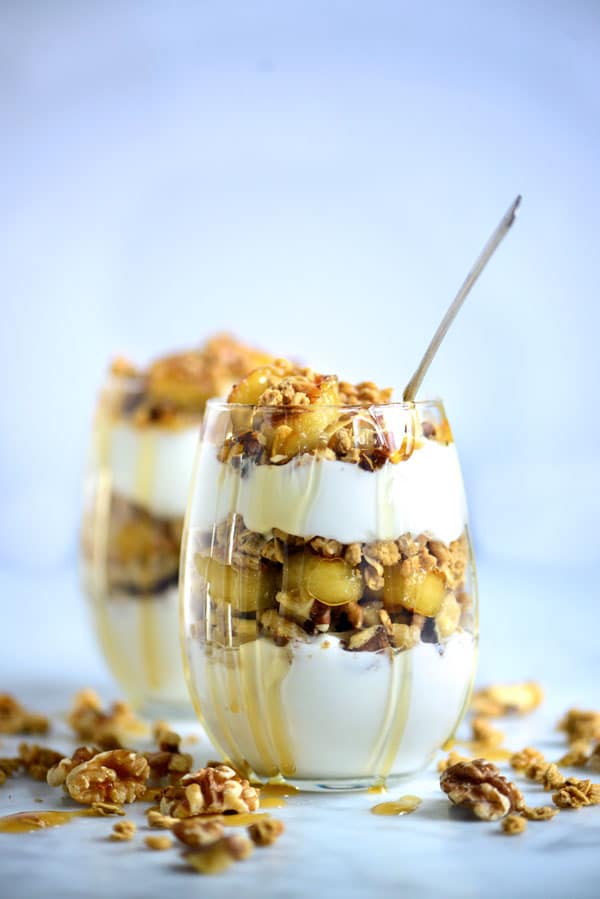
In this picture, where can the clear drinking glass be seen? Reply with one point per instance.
(328, 590)
(135, 499)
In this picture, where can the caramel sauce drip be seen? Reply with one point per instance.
(402, 806)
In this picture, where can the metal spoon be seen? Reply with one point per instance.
(410, 391)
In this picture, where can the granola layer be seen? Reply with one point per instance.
(381, 595)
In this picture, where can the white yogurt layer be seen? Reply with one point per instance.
(316, 711)
(150, 466)
(337, 500)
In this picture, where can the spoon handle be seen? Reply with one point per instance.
(410, 391)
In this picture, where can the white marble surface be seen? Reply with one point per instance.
(332, 845)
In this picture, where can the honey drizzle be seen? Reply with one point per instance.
(144, 480)
(395, 717)
(273, 802)
(403, 806)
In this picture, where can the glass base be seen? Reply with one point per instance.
(349, 784)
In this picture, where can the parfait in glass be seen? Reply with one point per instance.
(328, 586)
(144, 439)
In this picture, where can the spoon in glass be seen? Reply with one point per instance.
(410, 391)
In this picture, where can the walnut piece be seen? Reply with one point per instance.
(214, 789)
(107, 729)
(513, 824)
(451, 759)
(168, 740)
(196, 832)
(218, 856)
(118, 775)
(168, 764)
(57, 774)
(266, 832)
(15, 719)
(38, 760)
(506, 699)
(158, 842)
(478, 785)
(123, 830)
(484, 732)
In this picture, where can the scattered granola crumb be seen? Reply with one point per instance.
(38, 760)
(514, 824)
(158, 842)
(546, 774)
(579, 724)
(452, 759)
(538, 813)
(525, 757)
(267, 832)
(484, 733)
(505, 699)
(123, 830)
(577, 793)
(15, 719)
(577, 756)
(479, 786)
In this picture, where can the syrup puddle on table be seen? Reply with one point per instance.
(403, 806)
(27, 822)
(275, 795)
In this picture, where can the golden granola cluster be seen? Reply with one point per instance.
(286, 411)
(175, 388)
(109, 729)
(374, 596)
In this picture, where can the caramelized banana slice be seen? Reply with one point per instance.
(246, 589)
(331, 581)
(422, 593)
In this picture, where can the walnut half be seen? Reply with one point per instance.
(479, 786)
(118, 775)
(213, 789)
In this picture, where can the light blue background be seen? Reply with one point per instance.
(316, 177)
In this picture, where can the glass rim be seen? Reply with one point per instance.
(223, 405)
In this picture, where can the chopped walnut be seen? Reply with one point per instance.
(539, 813)
(8, 767)
(218, 856)
(118, 775)
(123, 830)
(373, 574)
(384, 551)
(580, 725)
(546, 774)
(168, 740)
(107, 729)
(513, 824)
(405, 636)
(37, 760)
(168, 764)
(577, 756)
(210, 790)
(577, 793)
(158, 842)
(272, 551)
(478, 785)
(196, 832)
(523, 759)
(156, 819)
(15, 719)
(106, 809)
(266, 832)
(505, 699)
(371, 639)
(483, 732)
(57, 774)
(282, 630)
